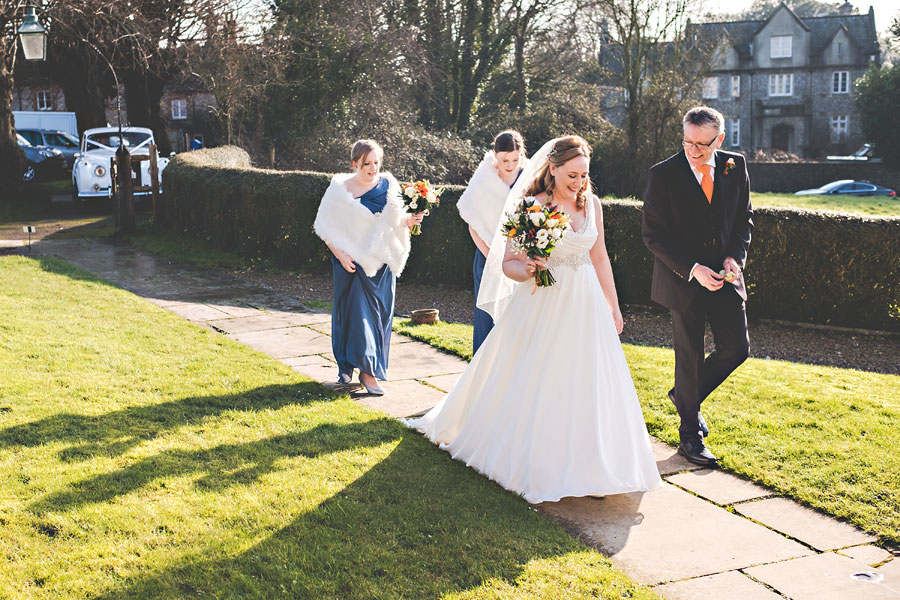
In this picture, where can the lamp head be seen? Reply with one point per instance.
(33, 36)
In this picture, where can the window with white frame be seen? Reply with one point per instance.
(736, 132)
(179, 108)
(780, 46)
(735, 86)
(43, 100)
(781, 84)
(710, 87)
(840, 82)
(838, 128)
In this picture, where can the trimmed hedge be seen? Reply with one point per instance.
(805, 266)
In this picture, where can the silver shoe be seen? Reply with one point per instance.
(375, 390)
(345, 378)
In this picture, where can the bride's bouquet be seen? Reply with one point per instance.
(420, 197)
(535, 229)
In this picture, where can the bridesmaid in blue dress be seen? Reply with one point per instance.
(481, 204)
(364, 224)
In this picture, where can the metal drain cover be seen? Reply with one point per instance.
(870, 576)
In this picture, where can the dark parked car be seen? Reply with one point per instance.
(61, 140)
(42, 162)
(848, 187)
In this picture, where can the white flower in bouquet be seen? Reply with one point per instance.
(414, 205)
(555, 234)
(536, 218)
(552, 223)
(430, 197)
(543, 234)
(410, 191)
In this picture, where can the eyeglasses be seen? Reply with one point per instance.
(698, 145)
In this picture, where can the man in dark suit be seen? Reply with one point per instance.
(697, 222)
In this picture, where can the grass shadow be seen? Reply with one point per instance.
(114, 433)
(223, 466)
(416, 525)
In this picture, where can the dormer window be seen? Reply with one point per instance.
(780, 46)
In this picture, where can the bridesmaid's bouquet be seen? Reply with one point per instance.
(535, 229)
(420, 197)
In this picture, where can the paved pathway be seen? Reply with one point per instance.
(706, 535)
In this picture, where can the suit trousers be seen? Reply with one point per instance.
(696, 377)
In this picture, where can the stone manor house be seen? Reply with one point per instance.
(787, 83)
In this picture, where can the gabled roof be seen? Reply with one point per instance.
(860, 29)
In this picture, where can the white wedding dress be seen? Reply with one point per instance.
(547, 407)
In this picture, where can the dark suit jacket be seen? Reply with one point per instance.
(681, 228)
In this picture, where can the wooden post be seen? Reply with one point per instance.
(114, 192)
(126, 198)
(154, 186)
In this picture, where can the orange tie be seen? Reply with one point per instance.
(706, 183)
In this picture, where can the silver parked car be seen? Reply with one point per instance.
(63, 141)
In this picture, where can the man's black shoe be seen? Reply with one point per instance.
(704, 430)
(697, 453)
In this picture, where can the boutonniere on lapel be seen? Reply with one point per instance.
(729, 165)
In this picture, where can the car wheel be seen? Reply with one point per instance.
(29, 173)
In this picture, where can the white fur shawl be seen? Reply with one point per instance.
(370, 239)
(482, 201)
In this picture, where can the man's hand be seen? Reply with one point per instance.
(708, 278)
(729, 264)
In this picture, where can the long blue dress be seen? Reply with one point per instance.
(483, 321)
(363, 308)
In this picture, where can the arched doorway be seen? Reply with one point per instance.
(782, 137)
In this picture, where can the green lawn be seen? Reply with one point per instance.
(822, 435)
(144, 457)
(875, 206)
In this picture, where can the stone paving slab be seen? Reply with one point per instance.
(285, 343)
(317, 320)
(402, 398)
(162, 302)
(237, 309)
(316, 367)
(196, 312)
(418, 361)
(668, 460)
(731, 584)
(891, 572)
(668, 534)
(260, 321)
(871, 555)
(823, 577)
(810, 527)
(716, 486)
(13, 243)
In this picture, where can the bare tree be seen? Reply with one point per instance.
(12, 160)
(658, 66)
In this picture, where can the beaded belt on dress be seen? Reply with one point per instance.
(571, 261)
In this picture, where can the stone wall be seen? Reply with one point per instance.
(787, 178)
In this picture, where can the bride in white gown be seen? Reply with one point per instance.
(547, 407)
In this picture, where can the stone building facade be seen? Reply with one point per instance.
(787, 82)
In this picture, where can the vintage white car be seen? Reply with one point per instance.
(90, 173)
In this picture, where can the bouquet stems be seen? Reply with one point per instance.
(543, 278)
(416, 229)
